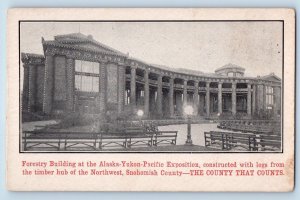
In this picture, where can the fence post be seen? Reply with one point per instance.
(223, 145)
(61, 145)
(95, 140)
(128, 145)
(151, 141)
(249, 141)
(25, 141)
(226, 141)
(176, 137)
(258, 140)
(58, 146)
(65, 147)
(100, 142)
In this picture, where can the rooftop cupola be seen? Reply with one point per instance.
(230, 70)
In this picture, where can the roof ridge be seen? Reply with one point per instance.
(89, 38)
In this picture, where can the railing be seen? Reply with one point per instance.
(202, 88)
(242, 89)
(190, 87)
(154, 82)
(65, 141)
(226, 89)
(178, 86)
(213, 89)
(249, 142)
(166, 84)
(139, 78)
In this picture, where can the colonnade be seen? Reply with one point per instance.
(255, 101)
(168, 91)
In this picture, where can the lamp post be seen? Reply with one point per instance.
(140, 114)
(219, 116)
(188, 110)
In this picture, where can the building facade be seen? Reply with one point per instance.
(78, 74)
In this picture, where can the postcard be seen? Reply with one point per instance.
(144, 99)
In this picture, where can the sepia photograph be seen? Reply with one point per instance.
(151, 86)
(151, 100)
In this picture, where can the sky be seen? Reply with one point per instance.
(203, 46)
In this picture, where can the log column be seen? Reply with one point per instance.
(133, 89)
(249, 100)
(233, 98)
(207, 100)
(31, 88)
(159, 96)
(48, 84)
(220, 98)
(121, 88)
(184, 93)
(264, 97)
(25, 88)
(103, 88)
(171, 97)
(70, 84)
(196, 97)
(260, 97)
(277, 100)
(146, 89)
(253, 99)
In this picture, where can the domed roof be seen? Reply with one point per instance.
(230, 66)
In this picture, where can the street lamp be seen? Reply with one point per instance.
(188, 110)
(140, 114)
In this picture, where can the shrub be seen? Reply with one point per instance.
(263, 114)
(28, 117)
(125, 116)
(79, 119)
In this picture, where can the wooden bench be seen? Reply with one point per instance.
(245, 141)
(212, 139)
(250, 142)
(229, 140)
(165, 137)
(268, 142)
